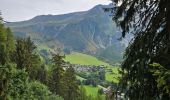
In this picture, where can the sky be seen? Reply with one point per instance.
(19, 10)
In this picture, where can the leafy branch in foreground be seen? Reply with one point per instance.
(149, 22)
(162, 77)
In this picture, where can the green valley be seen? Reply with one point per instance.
(84, 59)
(76, 50)
(84, 49)
(92, 81)
(93, 91)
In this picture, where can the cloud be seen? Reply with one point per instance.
(17, 10)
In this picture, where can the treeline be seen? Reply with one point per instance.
(94, 78)
(23, 74)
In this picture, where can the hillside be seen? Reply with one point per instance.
(90, 32)
(83, 59)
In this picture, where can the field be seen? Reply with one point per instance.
(93, 91)
(112, 76)
(84, 59)
(79, 58)
(80, 78)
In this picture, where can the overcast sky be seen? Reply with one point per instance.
(18, 10)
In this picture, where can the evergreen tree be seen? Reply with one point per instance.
(18, 84)
(42, 75)
(14, 83)
(5, 76)
(5, 49)
(6, 43)
(56, 79)
(25, 55)
(149, 21)
(71, 89)
(10, 45)
(102, 75)
(20, 88)
(3, 39)
(26, 58)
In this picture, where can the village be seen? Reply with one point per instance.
(86, 68)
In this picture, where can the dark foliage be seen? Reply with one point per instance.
(149, 21)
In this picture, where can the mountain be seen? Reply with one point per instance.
(92, 32)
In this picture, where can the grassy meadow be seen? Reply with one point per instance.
(93, 91)
(112, 76)
(84, 59)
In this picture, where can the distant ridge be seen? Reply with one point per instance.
(92, 32)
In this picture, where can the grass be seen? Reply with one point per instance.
(93, 91)
(43, 46)
(112, 76)
(84, 59)
(80, 78)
